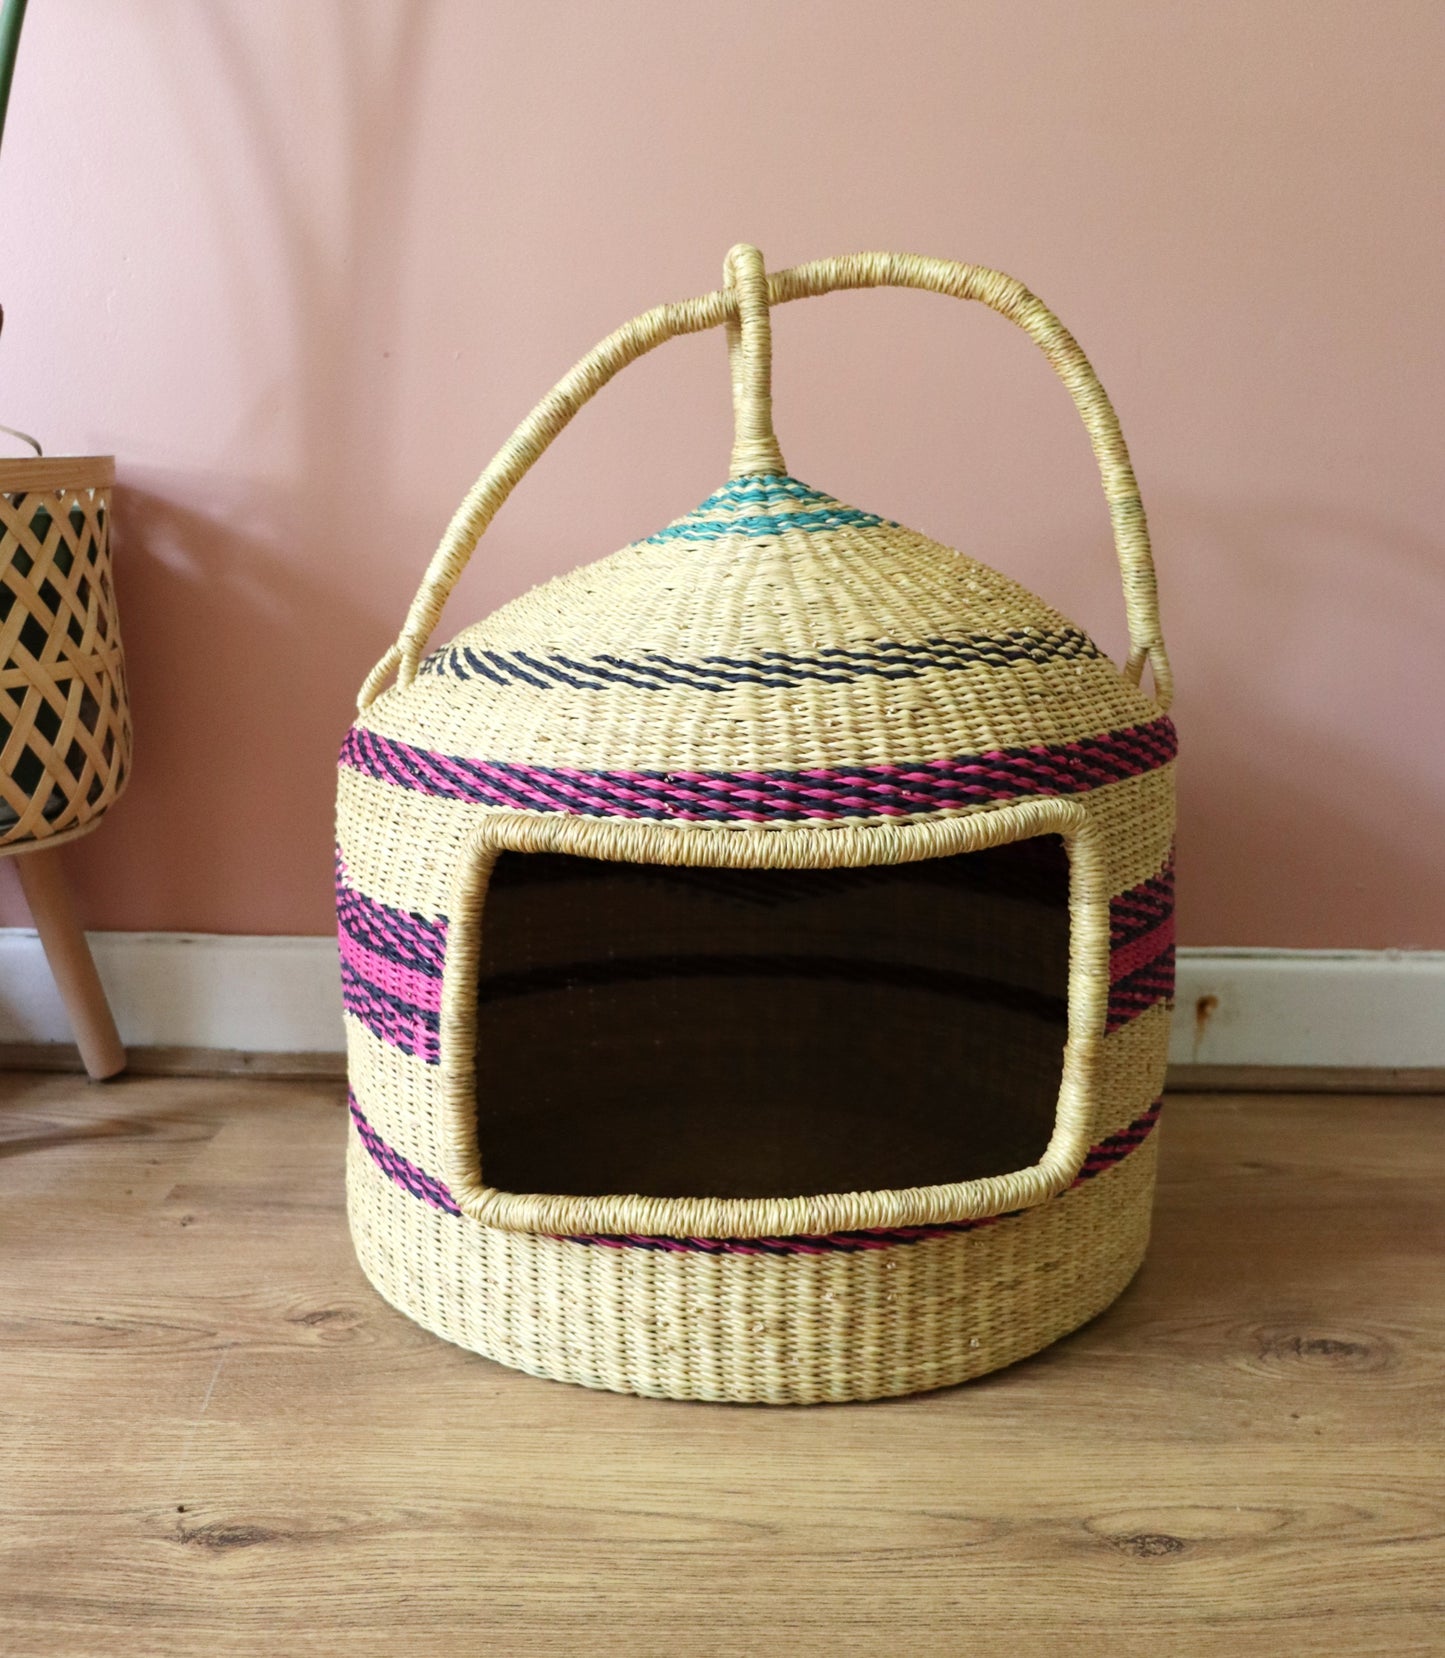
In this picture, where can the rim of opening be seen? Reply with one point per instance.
(800, 847)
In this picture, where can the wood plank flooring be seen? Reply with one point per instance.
(217, 1439)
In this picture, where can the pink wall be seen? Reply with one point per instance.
(303, 266)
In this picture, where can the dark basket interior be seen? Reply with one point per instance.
(770, 1033)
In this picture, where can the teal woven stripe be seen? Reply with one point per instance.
(807, 509)
(755, 529)
(762, 490)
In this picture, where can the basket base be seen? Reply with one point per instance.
(795, 1328)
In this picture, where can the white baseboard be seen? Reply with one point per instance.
(1359, 1008)
(186, 990)
(1347, 1008)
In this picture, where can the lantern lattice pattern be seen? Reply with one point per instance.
(65, 736)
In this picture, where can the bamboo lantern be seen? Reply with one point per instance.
(65, 733)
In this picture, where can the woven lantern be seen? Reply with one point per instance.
(757, 946)
(64, 717)
(65, 733)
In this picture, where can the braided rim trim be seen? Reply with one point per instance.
(1113, 1149)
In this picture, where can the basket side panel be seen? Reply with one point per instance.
(807, 1327)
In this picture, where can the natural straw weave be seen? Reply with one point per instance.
(65, 736)
(776, 681)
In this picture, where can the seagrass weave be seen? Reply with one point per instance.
(757, 946)
(65, 735)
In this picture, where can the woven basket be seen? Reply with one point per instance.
(65, 737)
(757, 946)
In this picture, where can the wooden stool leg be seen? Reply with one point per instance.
(42, 879)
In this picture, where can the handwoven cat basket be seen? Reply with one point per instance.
(757, 946)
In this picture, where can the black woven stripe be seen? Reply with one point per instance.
(1148, 977)
(1124, 933)
(609, 675)
(467, 779)
(418, 953)
(404, 937)
(398, 1168)
(550, 670)
(420, 939)
(1154, 982)
(1114, 1147)
(657, 671)
(479, 668)
(1155, 978)
(357, 988)
(1140, 911)
(1144, 908)
(723, 677)
(506, 665)
(388, 761)
(398, 1023)
(775, 796)
(1090, 763)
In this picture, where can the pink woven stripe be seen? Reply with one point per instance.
(1142, 907)
(400, 935)
(1141, 960)
(950, 784)
(1145, 948)
(412, 1029)
(421, 990)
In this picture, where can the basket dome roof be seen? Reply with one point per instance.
(775, 655)
(772, 630)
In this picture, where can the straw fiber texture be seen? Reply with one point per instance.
(757, 946)
(65, 735)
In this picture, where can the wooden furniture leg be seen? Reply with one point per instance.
(42, 879)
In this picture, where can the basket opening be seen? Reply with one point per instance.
(764, 1032)
(696, 1032)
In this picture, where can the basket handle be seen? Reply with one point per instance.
(743, 305)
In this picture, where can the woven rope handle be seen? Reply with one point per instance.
(1012, 300)
(750, 364)
(743, 306)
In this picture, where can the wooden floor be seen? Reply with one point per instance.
(217, 1439)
